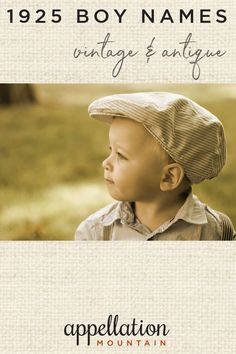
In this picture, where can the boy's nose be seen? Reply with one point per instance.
(106, 164)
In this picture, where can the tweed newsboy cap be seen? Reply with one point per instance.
(190, 134)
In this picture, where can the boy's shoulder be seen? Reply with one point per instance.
(220, 223)
(212, 214)
(105, 214)
(92, 227)
(214, 225)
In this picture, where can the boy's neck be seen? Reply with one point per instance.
(154, 213)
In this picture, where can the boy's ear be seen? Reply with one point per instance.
(172, 176)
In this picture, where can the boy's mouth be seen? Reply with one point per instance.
(109, 181)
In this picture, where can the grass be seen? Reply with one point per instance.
(51, 175)
(49, 158)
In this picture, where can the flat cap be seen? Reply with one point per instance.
(190, 134)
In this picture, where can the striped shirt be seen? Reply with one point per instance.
(194, 221)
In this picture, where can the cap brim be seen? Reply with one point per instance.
(105, 116)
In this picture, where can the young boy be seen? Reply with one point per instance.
(160, 144)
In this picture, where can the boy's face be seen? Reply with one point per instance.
(134, 167)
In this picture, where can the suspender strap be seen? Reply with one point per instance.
(107, 233)
(227, 227)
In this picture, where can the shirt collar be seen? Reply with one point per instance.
(123, 212)
(192, 211)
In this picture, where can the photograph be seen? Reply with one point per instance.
(117, 162)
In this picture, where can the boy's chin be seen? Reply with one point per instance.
(116, 194)
(118, 197)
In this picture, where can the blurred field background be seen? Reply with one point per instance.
(51, 154)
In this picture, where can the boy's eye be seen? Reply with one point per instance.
(120, 156)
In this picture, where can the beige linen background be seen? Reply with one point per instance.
(45, 285)
(188, 286)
